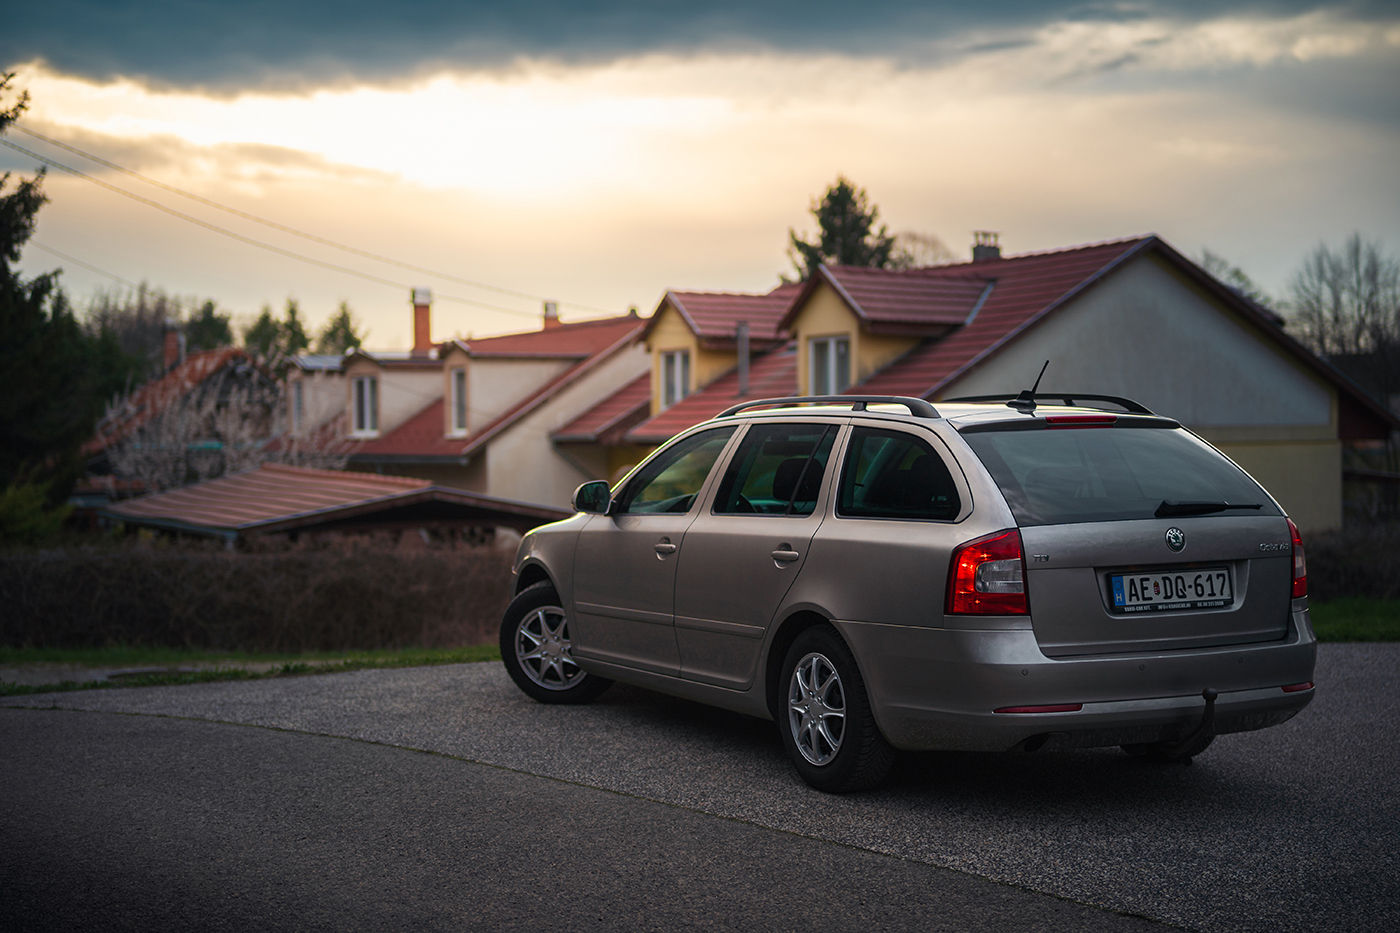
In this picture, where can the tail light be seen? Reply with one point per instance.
(1300, 563)
(988, 576)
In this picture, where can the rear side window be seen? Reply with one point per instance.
(891, 474)
(777, 470)
(1052, 477)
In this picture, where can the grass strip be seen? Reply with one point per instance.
(1357, 618)
(235, 668)
(1351, 619)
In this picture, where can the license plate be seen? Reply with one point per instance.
(1203, 588)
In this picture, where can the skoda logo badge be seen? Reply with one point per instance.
(1176, 539)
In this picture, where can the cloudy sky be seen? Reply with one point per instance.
(599, 153)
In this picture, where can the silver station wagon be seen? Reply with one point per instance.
(876, 574)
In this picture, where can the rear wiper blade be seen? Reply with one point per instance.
(1168, 508)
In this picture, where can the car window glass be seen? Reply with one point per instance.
(777, 470)
(892, 474)
(671, 480)
(1109, 474)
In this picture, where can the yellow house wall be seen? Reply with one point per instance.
(669, 333)
(826, 314)
(1151, 334)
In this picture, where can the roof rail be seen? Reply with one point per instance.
(917, 406)
(1075, 399)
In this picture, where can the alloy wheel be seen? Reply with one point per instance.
(816, 709)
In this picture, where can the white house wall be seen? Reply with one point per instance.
(523, 463)
(494, 385)
(323, 398)
(404, 393)
(1149, 333)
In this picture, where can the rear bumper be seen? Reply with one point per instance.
(939, 688)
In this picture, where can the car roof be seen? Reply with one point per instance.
(958, 413)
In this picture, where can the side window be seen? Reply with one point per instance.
(670, 481)
(891, 474)
(777, 470)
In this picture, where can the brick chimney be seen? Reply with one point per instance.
(551, 314)
(422, 330)
(985, 245)
(173, 351)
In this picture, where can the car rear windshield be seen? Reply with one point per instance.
(1052, 477)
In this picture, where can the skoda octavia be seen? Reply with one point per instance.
(876, 574)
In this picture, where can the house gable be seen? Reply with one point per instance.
(1152, 333)
(668, 331)
(1149, 332)
(825, 312)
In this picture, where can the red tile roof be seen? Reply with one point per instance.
(158, 394)
(580, 339)
(421, 435)
(713, 316)
(1025, 289)
(772, 375)
(421, 438)
(917, 301)
(607, 421)
(275, 497)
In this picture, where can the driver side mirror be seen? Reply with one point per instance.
(593, 498)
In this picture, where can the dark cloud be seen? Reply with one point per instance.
(220, 44)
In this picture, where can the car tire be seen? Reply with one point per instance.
(1166, 752)
(824, 716)
(538, 652)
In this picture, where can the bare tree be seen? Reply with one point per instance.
(914, 250)
(230, 423)
(1347, 302)
(1233, 276)
(1346, 306)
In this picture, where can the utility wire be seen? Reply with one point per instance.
(86, 265)
(281, 251)
(377, 257)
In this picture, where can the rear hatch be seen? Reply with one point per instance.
(1138, 536)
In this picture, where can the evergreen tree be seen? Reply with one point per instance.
(293, 337)
(48, 382)
(340, 334)
(263, 338)
(848, 236)
(207, 329)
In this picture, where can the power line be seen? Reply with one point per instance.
(281, 251)
(86, 265)
(377, 257)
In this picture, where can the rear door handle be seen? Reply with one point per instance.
(785, 556)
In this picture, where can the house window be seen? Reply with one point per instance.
(298, 405)
(829, 365)
(459, 401)
(675, 376)
(366, 407)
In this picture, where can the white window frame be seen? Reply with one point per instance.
(675, 376)
(298, 405)
(364, 406)
(457, 380)
(826, 377)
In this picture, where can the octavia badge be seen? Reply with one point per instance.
(1176, 539)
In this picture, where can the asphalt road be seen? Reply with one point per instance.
(308, 803)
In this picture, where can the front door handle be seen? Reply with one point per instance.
(664, 547)
(785, 555)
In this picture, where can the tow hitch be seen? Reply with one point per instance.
(1204, 730)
